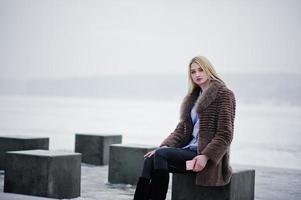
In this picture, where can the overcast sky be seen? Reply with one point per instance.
(79, 38)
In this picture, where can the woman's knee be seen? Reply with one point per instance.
(162, 152)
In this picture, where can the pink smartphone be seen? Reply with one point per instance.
(190, 164)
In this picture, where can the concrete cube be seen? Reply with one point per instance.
(95, 149)
(43, 173)
(126, 162)
(241, 187)
(18, 143)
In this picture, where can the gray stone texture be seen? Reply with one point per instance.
(95, 149)
(126, 162)
(19, 143)
(43, 173)
(241, 187)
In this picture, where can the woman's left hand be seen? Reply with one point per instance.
(201, 161)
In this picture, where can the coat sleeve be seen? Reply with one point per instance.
(220, 143)
(177, 138)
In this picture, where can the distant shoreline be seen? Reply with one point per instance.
(248, 88)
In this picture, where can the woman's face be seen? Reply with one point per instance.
(198, 75)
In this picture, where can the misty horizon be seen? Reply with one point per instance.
(248, 88)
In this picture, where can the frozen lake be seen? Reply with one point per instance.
(265, 134)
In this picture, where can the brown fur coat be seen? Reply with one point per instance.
(216, 108)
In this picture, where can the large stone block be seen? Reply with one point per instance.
(18, 143)
(126, 162)
(241, 187)
(95, 149)
(43, 173)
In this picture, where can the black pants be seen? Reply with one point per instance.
(169, 159)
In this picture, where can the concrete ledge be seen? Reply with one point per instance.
(43, 173)
(95, 149)
(126, 162)
(241, 187)
(19, 143)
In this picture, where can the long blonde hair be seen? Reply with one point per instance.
(204, 63)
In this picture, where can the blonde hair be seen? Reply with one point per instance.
(204, 63)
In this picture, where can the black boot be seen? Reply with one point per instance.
(142, 189)
(159, 185)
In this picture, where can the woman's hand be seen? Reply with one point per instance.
(151, 153)
(201, 161)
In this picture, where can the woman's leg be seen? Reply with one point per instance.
(142, 191)
(148, 167)
(172, 159)
(167, 160)
(157, 168)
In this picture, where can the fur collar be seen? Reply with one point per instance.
(202, 101)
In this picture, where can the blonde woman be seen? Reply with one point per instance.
(202, 137)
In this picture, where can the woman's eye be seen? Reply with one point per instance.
(192, 72)
(200, 69)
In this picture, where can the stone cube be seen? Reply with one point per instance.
(95, 149)
(43, 173)
(18, 143)
(126, 162)
(241, 187)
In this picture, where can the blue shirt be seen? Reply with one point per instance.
(193, 144)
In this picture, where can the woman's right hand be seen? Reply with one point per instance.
(151, 153)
